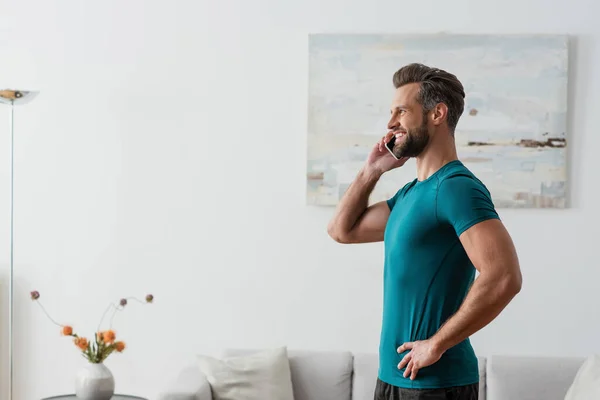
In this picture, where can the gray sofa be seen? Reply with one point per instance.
(320, 375)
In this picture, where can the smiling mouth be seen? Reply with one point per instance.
(399, 134)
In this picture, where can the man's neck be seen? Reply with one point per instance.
(435, 156)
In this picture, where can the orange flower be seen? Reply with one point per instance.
(99, 336)
(67, 330)
(82, 343)
(119, 346)
(109, 336)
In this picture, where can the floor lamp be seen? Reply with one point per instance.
(12, 98)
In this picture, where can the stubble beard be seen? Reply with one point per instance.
(415, 141)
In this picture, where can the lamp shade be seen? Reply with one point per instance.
(15, 97)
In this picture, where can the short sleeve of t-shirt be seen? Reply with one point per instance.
(391, 202)
(463, 201)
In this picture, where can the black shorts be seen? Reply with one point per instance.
(385, 391)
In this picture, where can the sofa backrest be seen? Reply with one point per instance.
(366, 366)
(316, 375)
(530, 378)
(364, 378)
(341, 375)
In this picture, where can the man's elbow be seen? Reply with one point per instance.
(512, 283)
(337, 235)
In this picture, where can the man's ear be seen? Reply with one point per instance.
(439, 113)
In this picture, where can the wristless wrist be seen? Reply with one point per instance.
(438, 344)
(371, 172)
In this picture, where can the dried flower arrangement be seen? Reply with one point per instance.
(104, 343)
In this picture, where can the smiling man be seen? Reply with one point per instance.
(437, 231)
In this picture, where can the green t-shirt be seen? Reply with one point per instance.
(427, 272)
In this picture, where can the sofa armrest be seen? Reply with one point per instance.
(190, 384)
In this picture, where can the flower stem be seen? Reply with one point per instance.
(103, 315)
(48, 315)
(113, 317)
(115, 309)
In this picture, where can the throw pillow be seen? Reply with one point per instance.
(264, 375)
(586, 384)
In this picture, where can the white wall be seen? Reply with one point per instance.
(166, 154)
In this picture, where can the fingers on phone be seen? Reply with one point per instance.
(385, 141)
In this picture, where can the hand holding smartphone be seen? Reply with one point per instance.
(390, 146)
(377, 158)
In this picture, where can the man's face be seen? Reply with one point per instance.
(407, 117)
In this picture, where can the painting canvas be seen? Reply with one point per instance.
(512, 134)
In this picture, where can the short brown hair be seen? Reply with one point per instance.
(437, 86)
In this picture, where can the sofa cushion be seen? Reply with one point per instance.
(257, 376)
(316, 375)
(482, 363)
(530, 378)
(366, 366)
(587, 381)
(188, 384)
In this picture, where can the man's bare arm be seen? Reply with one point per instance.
(491, 250)
(354, 221)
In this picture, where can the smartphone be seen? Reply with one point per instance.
(390, 146)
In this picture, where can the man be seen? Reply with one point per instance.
(437, 230)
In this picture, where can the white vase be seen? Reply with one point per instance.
(94, 382)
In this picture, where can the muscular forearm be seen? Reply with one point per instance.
(488, 296)
(354, 203)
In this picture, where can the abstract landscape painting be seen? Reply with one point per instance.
(512, 134)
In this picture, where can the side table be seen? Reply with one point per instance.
(115, 397)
